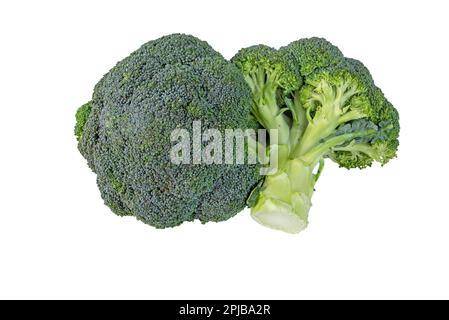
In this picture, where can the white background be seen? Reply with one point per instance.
(377, 233)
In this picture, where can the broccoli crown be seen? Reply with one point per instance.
(125, 133)
(313, 53)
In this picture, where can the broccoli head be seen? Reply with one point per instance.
(124, 133)
(337, 113)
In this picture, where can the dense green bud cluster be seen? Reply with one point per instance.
(265, 65)
(82, 114)
(166, 84)
(313, 53)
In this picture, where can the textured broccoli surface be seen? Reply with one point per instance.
(325, 106)
(82, 114)
(124, 133)
(321, 104)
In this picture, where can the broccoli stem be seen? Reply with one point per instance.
(285, 197)
(299, 119)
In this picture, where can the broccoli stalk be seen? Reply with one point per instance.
(337, 113)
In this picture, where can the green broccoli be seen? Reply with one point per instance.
(324, 106)
(321, 104)
(82, 114)
(124, 133)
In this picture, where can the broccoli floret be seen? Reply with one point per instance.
(271, 74)
(313, 53)
(124, 133)
(82, 114)
(337, 113)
